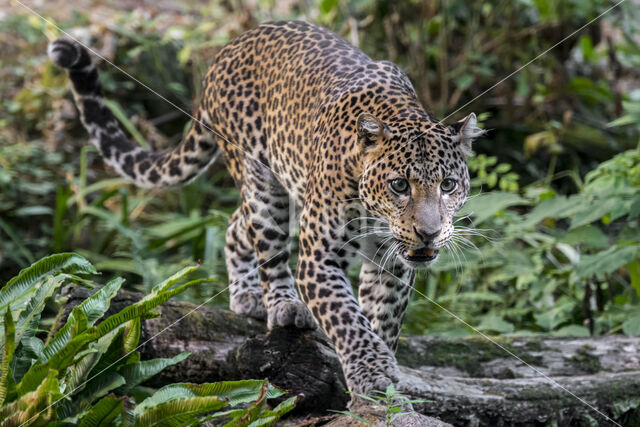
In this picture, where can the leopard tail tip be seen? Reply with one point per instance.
(68, 54)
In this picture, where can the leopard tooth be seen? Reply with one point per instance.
(412, 252)
(429, 252)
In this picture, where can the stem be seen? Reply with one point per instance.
(552, 168)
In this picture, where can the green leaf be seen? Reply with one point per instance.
(179, 411)
(114, 223)
(114, 354)
(97, 304)
(30, 315)
(26, 354)
(65, 355)
(631, 326)
(634, 210)
(81, 322)
(606, 261)
(23, 251)
(83, 380)
(184, 54)
(26, 280)
(634, 272)
(103, 413)
(32, 379)
(572, 331)
(140, 308)
(588, 236)
(327, 6)
(496, 323)
(236, 392)
(268, 418)
(556, 207)
(233, 413)
(464, 81)
(254, 410)
(99, 386)
(390, 391)
(592, 211)
(485, 205)
(169, 282)
(163, 395)
(627, 119)
(132, 335)
(138, 373)
(34, 408)
(587, 48)
(6, 377)
(78, 372)
(503, 168)
(93, 307)
(555, 316)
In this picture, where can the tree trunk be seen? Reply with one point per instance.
(469, 381)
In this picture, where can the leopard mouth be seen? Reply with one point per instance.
(421, 255)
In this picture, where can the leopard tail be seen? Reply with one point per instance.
(144, 168)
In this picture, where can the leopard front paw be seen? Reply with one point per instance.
(249, 304)
(374, 375)
(290, 313)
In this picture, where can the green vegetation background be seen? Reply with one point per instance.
(553, 235)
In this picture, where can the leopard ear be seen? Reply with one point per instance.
(370, 130)
(468, 130)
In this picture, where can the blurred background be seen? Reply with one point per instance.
(552, 227)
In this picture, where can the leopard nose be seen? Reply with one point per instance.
(427, 237)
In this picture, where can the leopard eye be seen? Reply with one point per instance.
(399, 186)
(448, 185)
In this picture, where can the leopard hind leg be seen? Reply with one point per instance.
(245, 292)
(265, 205)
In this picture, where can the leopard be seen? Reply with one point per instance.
(313, 132)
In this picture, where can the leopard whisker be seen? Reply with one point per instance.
(462, 227)
(360, 236)
(480, 232)
(463, 218)
(455, 254)
(385, 258)
(382, 245)
(390, 253)
(463, 241)
(373, 218)
(381, 265)
(459, 244)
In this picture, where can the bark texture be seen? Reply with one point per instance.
(470, 382)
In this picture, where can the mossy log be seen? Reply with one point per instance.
(469, 381)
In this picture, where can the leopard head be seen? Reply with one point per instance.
(415, 178)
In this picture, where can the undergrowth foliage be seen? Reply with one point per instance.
(560, 248)
(87, 372)
(544, 262)
(394, 403)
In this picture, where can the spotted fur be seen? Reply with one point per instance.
(312, 130)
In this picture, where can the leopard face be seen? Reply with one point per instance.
(415, 177)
